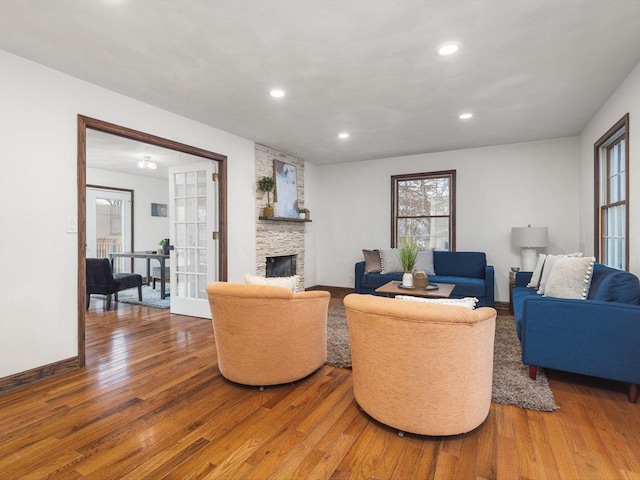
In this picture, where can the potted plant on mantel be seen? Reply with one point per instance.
(303, 213)
(267, 184)
(408, 254)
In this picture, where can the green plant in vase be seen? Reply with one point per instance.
(267, 184)
(408, 254)
(303, 213)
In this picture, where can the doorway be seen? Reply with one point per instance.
(109, 223)
(85, 123)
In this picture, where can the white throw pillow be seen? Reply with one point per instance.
(537, 272)
(468, 302)
(546, 271)
(548, 267)
(425, 260)
(288, 282)
(390, 261)
(570, 278)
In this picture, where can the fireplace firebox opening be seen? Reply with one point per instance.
(281, 266)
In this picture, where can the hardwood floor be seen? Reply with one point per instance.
(151, 404)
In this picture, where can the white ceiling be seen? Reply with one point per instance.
(111, 152)
(528, 69)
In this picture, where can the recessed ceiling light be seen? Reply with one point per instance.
(465, 116)
(448, 48)
(277, 93)
(343, 135)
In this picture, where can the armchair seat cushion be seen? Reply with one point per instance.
(127, 280)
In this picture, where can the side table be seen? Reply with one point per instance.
(512, 283)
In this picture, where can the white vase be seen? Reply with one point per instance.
(407, 279)
(301, 215)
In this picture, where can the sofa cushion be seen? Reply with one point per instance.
(390, 261)
(467, 302)
(537, 271)
(570, 277)
(460, 264)
(546, 271)
(612, 285)
(375, 280)
(425, 260)
(464, 287)
(372, 262)
(547, 267)
(291, 283)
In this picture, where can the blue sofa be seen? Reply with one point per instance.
(599, 336)
(467, 270)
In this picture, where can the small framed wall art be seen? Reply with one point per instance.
(158, 209)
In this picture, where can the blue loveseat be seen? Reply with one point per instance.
(598, 336)
(467, 270)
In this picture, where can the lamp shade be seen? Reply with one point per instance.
(533, 237)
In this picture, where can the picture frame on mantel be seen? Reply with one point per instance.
(286, 192)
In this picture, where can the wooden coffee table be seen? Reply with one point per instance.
(392, 289)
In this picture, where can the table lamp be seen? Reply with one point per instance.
(529, 238)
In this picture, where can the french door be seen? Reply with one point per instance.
(109, 224)
(193, 217)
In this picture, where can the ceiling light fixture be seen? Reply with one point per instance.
(343, 135)
(465, 116)
(277, 93)
(147, 163)
(448, 48)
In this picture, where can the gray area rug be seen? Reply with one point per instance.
(511, 382)
(150, 297)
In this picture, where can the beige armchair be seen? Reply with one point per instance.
(267, 335)
(421, 368)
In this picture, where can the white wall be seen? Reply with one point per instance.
(38, 150)
(311, 193)
(147, 230)
(497, 188)
(626, 99)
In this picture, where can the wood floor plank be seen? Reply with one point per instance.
(313, 427)
(151, 403)
(338, 442)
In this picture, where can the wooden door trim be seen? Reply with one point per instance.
(85, 122)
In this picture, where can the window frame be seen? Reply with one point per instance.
(395, 179)
(602, 152)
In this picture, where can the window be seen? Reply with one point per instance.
(423, 209)
(611, 220)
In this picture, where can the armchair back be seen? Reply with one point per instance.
(268, 335)
(421, 368)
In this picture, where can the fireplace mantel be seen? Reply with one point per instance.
(283, 219)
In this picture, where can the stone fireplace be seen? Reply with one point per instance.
(278, 238)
